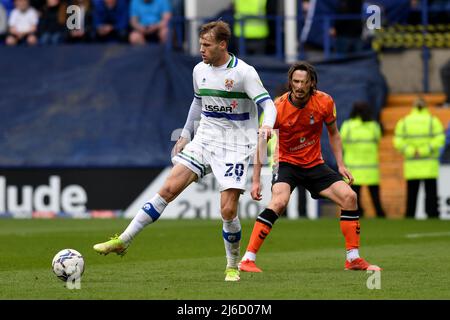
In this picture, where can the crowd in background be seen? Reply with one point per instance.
(140, 21)
(49, 22)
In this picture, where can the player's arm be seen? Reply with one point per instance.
(264, 134)
(272, 146)
(270, 115)
(336, 147)
(259, 158)
(256, 91)
(187, 133)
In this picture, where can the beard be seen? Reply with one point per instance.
(300, 94)
(300, 97)
(210, 59)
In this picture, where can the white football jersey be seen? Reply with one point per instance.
(229, 95)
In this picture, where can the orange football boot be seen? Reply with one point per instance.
(361, 264)
(249, 266)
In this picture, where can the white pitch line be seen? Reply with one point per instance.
(429, 234)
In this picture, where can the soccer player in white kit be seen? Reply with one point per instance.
(227, 92)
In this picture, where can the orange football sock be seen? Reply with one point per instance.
(259, 234)
(350, 230)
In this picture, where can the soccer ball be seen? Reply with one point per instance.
(68, 264)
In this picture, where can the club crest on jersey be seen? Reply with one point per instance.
(229, 84)
(311, 119)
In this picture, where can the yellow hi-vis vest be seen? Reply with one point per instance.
(360, 141)
(254, 28)
(419, 137)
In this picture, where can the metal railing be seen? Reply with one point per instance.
(179, 27)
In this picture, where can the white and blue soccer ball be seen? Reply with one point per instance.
(68, 264)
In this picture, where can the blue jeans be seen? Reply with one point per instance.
(51, 38)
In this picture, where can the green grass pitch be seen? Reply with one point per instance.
(185, 259)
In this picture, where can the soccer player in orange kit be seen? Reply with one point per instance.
(301, 114)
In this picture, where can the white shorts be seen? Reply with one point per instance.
(229, 167)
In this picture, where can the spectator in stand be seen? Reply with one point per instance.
(273, 8)
(438, 12)
(52, 24)
(149, 20)
(38, 4)
(111, 20)
(177, 7)
(414, 14)
(85, 33)
(348, 32)
(22, 24)
(178, 25)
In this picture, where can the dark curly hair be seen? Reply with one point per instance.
(361, 109)
(312, 74)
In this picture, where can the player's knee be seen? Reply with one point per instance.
(228, 211)
(350, 200)
(168, 193)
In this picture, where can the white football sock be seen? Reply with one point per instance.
(232, 238)
(249, 256)
(352, 254)
(149, 213)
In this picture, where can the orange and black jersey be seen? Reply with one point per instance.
(300, 129)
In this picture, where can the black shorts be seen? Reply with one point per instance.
(315, 179)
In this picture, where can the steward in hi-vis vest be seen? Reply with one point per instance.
(250, 25)
(360, 139)
(419, 136)
(254, 28)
